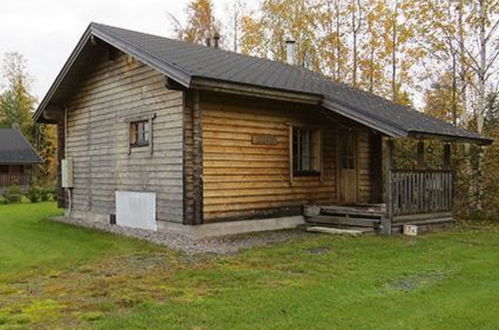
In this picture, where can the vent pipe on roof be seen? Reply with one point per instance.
(290, 52)
(208, 42)
(216, 40)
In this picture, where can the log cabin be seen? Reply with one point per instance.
(17, 158)
(166, 135)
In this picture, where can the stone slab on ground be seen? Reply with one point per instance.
(334, 231)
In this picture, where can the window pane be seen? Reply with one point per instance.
(304, 150)
(348, 152)
(146, 131)
(139, 133)
(133, 133)
(296, 165)
(140, 129)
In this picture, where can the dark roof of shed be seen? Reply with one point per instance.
(184, 62)
(15, 149)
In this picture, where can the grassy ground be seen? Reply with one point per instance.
(56, 276)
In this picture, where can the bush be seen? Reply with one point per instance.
(482, 215)
(46, 194)
(33, 194)
(13, 194)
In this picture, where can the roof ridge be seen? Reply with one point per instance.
(200, 46)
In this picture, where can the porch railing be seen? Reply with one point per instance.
(11, 179)
(421, 191)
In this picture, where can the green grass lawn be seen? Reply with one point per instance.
(57, 276)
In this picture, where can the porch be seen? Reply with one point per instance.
(420, 197)
(21, 180)
(15, 175)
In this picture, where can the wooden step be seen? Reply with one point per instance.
(351, 212)
(344, 221)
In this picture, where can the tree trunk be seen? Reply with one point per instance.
(338, 44)
(394, 53)
(481, 101)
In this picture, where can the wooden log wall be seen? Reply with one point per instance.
(246, 180)
(61, 194)
(115, 91)
(365, 171)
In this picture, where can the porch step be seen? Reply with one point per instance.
(372, 212)
(336, 231)
(344, 221)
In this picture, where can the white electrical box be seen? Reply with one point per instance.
(67, 173)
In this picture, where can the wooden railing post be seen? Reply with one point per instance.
(420, 155)
(386, 221)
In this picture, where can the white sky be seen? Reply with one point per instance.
(46, 31)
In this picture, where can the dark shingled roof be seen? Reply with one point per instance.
(15, 149)
(184, 62)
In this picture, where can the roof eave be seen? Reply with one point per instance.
(60, 77)
(389, 130)
(451, 138)
(226, 86)
(176, 74)
(20, 162)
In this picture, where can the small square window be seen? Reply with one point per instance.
(139, 133)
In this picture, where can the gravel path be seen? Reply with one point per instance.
(218, 245)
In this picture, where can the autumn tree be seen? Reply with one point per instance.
(201, 22)
(278, 20)
(332, 38)
(372, 56)
(440, 100)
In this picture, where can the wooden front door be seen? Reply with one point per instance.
(348, 184)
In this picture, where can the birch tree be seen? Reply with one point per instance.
(332, 43)
(373, 57)
(356, 12)
(235, 10)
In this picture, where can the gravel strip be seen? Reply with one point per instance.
(218, 245)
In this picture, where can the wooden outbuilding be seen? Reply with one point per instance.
(17, 158)
(214, 139)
